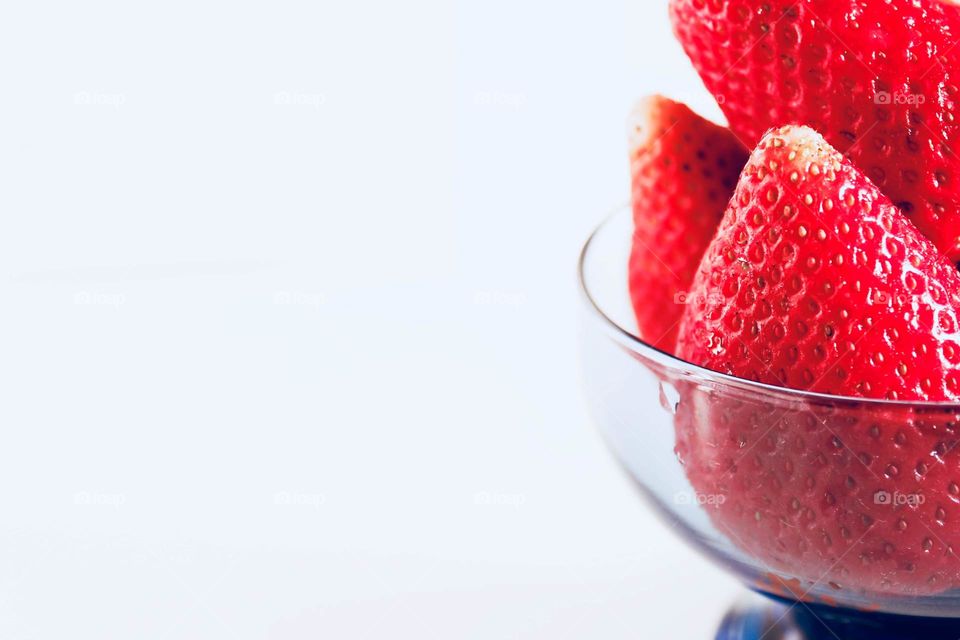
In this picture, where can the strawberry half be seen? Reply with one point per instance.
(683, 169)
(816, 281)
(875, 78)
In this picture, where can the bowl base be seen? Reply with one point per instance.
(783, 620)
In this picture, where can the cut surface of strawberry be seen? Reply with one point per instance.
(876, 78)
(816, 281)
(683, 169)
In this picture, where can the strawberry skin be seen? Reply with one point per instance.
(837, 496)
(683, 171)
(875, 78)
(816, 281)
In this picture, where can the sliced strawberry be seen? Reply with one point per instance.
(684, 169)
(875, 78)
(816, 281)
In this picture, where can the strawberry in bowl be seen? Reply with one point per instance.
(816, 281)
(683, 171)
(795, 304)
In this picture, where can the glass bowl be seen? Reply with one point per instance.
(846, 510)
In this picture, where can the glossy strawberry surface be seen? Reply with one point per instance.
(878, 78)
(815, 281)
(684, 169)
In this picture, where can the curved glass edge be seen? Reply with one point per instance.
(685, 370)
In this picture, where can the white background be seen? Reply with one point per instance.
(290, 319)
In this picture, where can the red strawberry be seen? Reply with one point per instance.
(835, 495)
(816, 281)
(684, 169)
(875, 78)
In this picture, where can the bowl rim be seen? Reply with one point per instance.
(682, 368)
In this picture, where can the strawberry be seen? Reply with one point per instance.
(684, 169)
(829, 495)
(875, 78)
(816, 281)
